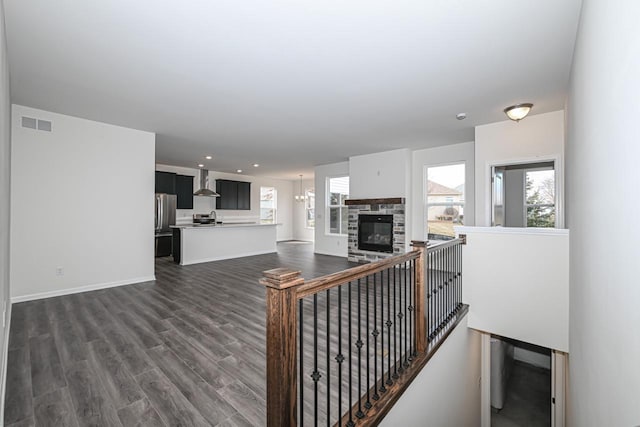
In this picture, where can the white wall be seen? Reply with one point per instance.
(207, 204)
(5, 187)
(380, 175)
(514, 198)
(300, 229)
(521, 290)
(81, 200)
(447, 391)
(437, 156)
(328, 244)
(538, 137)
(602, 177)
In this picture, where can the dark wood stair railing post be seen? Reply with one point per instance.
(420, 303)
(281, 349)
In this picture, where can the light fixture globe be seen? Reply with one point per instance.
(518, 112)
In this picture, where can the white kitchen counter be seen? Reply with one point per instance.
(204, 243)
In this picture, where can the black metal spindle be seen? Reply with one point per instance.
(411, 313)
(368, 404)
(374, 334)
(350, 423)
(400, 316)
(339, 356)
(315, 375)
(415, 301)
(406, 330)
(301, 374)
(359, 343)
(389, 323)
(395, 325)
(382, 387)
(328, 373)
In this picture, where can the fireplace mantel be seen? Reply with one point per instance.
(387, 201)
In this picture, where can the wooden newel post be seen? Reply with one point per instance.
(281, 345)
(421, 309)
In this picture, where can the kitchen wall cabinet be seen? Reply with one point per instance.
(184, 191)
(234, 195)
(166, 182)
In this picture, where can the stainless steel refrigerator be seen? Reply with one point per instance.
(165, 218)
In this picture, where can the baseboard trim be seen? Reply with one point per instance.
(5, 359)
(69, 291)
(221, 258)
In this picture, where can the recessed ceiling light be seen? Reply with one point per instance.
(208, 157)
(200, 165)
(255, 165)
(239, 171)
(461, 116)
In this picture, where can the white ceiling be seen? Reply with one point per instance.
(290, 84)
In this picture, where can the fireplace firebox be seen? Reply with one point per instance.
(375, 233)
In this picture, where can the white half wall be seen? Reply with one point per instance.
(539, 137)
(603, 176)
(300, 229)
(5, 205)
(325, 243)
(516, 282)
(81, 205)
(447, 391)
(440, 156)
(283, 187)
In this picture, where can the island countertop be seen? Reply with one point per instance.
(223, 225)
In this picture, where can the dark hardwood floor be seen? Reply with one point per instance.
(186, 349)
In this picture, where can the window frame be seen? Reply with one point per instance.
(274, 220)
(540, 205)
(340, 208)
(426, 203)
(309, 210)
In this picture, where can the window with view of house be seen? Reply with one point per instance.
(268, 205)
(310, 208)
(337, 211)
(445, 200)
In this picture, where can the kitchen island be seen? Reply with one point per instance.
(193, 244)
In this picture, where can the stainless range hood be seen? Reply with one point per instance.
(204, 185)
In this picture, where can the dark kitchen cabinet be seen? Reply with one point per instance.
(234, 195)
(184, 191)
(165, 182)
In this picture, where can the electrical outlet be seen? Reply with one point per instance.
(59, 271)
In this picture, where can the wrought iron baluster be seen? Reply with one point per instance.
(328, 373)
(350, 423)
(315, 375)
(368, 404)
(382, 387)
(301, 374)
(339, 357)
(406, 330)
(374, 334)
(359, 344)
(389, 323)
(395, 324)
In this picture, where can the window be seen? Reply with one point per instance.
(337, 211)
(268, 205)
(310, 208)
(445, 200)
(540, 192)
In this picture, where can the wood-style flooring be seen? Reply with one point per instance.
(186, 349)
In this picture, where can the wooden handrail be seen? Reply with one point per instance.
(329, 281)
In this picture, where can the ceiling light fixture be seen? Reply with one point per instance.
(300, 197)
(200, 165)
(461, 116)
(255, 165)
(239, 171)
(208, 157)
(518, 112)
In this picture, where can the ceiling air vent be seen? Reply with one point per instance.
(31, 123)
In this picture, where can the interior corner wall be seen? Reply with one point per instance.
(437, 156)
(299, 216)
(325, 243)
(603, 177)
(447, 391)
(284, 189)
(538, 136)
(81, 205)
(5, 194)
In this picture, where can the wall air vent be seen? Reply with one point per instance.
(28, 122)
(31, 123)
(44, 125)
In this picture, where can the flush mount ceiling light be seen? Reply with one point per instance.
(208, 157)
(461, 116)
(518, 112)
(255, 165)
(239, 171)
(300, 197)
(200, 165)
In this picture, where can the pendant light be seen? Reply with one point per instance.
(300, 197)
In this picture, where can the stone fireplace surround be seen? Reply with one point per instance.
(389, 206)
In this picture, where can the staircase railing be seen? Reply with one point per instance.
(342, 348)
